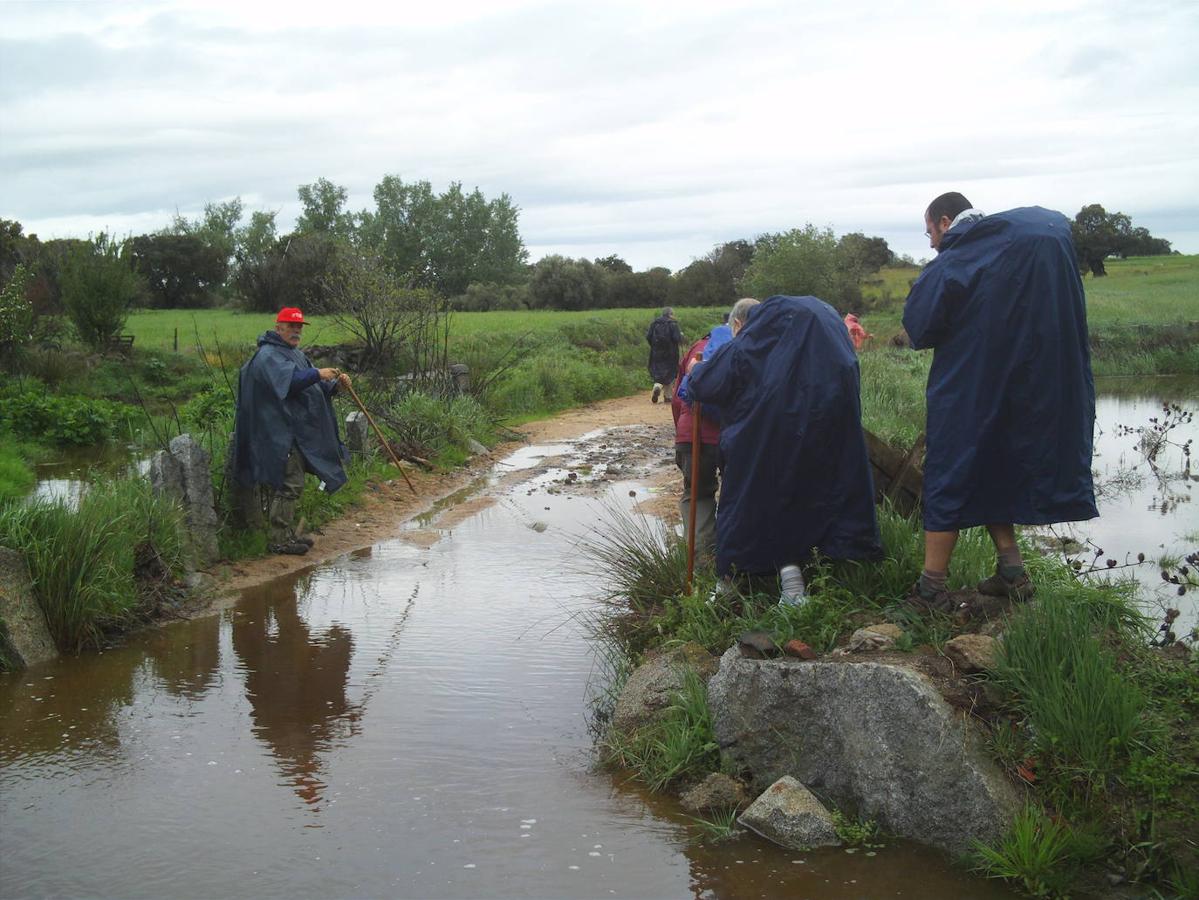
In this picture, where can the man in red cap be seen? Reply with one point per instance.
(285, 426)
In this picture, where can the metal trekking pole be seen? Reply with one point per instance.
(382, 439)
(695, 450)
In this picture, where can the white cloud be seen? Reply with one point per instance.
(653, 131)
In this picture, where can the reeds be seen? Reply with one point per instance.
(85, 562)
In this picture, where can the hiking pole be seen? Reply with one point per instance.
(695, 448)
(382, 439)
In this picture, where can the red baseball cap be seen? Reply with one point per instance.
(290, 314)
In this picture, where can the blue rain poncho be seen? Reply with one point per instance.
(1011, 400)
(796, 477)
(268, 422)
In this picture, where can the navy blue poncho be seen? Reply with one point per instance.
(1011, 400)
(796, 476)
(268, 422)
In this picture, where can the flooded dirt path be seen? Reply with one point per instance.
(408, 719)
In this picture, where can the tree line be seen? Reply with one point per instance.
(417, 246)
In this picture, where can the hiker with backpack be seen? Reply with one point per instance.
(664, 338)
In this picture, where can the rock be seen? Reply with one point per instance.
(200, 583)
(476, 448)
(654, 684)
(357, 432)
(798, 649)
(789, 815)
(24, 637)
(539, 527)
(972, 652)
(757, 645)
(875, 738)
(873, 637)
(183, 471)
(716, 792)
(460, 375)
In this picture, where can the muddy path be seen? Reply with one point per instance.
(644, 435)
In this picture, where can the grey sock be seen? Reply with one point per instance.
(934, 580)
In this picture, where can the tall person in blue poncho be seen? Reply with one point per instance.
(796, 474)
(285, 426)
(1011, 400)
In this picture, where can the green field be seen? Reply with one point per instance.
(1155, 290)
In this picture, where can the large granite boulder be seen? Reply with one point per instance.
(183, 472)
(876, 739)
(24, 637)
(653, 685)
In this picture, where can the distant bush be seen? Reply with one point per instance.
(98, 287)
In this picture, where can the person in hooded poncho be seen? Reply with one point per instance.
(1010, 397)
(285, 426)
(796, 474)
(664, 338)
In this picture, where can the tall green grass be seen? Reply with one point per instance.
(16, 476)
(85, 562)
(679, 745)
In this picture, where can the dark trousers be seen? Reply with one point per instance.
(705, 494)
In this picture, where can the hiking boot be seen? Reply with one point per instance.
(657, 393)
(1008, 581)
(926, 598)
(291, 548)
(304, 539)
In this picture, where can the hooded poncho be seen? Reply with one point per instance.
(1011, 400)
(796, 477)
(663, 338)
(268, 422)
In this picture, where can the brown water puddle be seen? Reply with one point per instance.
(405, 721)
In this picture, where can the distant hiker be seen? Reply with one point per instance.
(285, 426)
(663, 338)
(709, 437)
(796, 477)
(1011, 400)
(857, 333)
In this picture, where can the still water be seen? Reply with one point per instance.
(1145, 508)
(400, 722)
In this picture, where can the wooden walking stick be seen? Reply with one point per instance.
(695, 450)
(382, 439)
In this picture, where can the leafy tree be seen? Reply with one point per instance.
(1142, 243)
(181, 270)
(864, 254)
(486, 297)
(559, 282)
(1099, 234)
(217, 227)
(324, 210)
(292, 271)
(444, 241)
(12, 248)
(730, 260)
(16, 313)
(803, 261)
(98, 287)
(697, 285)
(615, 265)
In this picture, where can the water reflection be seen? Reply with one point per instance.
(295, 680)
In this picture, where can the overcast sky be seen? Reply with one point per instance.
(653, 130)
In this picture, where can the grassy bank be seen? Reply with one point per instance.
(1092, 722)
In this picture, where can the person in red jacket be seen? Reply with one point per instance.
(710, 462)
